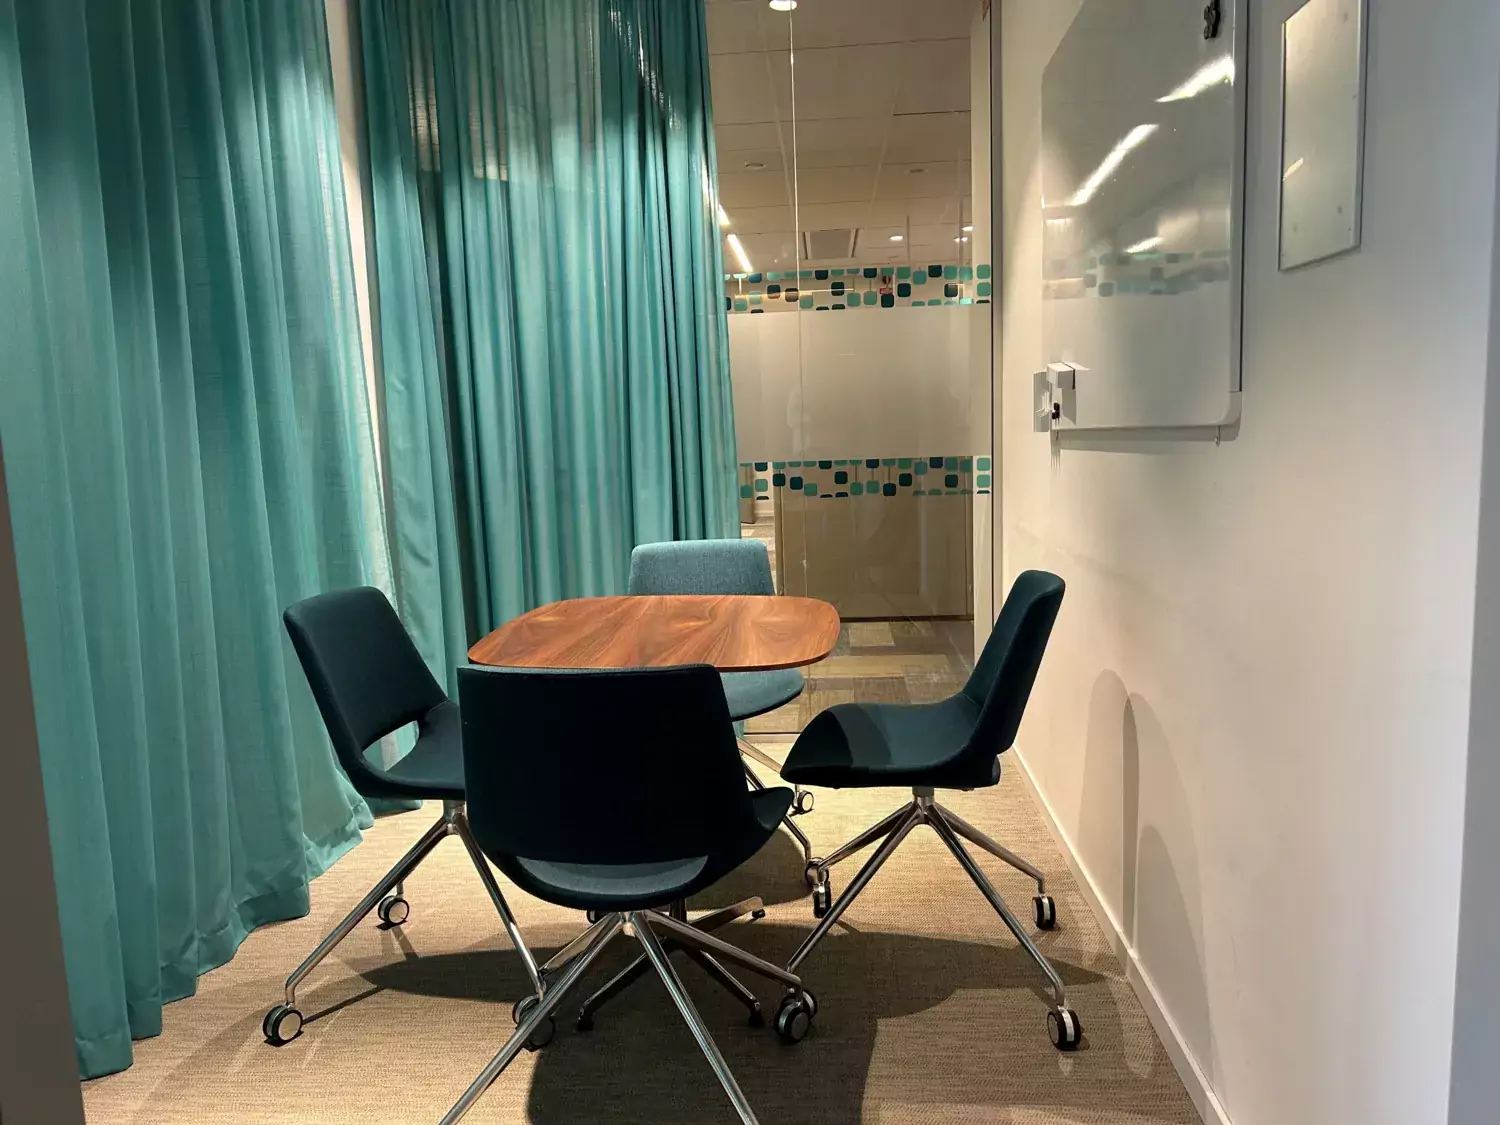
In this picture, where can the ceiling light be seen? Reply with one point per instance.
(898, 238)
(723, 218)
(753, 165)
(1106, 169)
(968, 227)
(1294, 166)
(1206, 77)
(960, 240)
(1145, 244)
(739, 252)
(783, 5)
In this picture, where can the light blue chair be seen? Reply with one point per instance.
(729, 566)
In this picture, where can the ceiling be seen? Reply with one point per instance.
(875, 139)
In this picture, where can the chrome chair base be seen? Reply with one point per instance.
(650, 928)
(627, 976)
(283, 1023)
(1063, 1024)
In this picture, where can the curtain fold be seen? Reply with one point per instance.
(185, 421)
(553, 336)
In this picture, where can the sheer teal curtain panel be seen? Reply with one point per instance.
(184, 414)
(553, 334)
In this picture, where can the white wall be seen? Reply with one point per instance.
(1252, 723)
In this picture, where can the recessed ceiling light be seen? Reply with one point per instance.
(898, 238)
(783, 5)
(968, 228)
(753, 165)
(960, 240)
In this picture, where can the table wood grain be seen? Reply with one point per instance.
(733, 632)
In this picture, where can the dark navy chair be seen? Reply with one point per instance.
(954, 744)
(567, 773)
(728, 566)
(369, 681)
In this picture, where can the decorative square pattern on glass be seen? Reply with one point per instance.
(837, 288)
(904, 480)
(903, 289)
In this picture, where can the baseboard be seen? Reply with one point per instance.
(1198, 1087)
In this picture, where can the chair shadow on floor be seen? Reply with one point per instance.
(640, 1063)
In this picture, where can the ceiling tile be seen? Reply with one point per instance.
(835, 185)
(937, 178)
(847, 81)
(915, 137)
(745, 25)
(734, 160)
(735, 138)
(842, 132)
(749, 87)
(934, 77)
(809, 157)
(739, 190)
(759, 220)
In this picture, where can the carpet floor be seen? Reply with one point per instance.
(929, 1012)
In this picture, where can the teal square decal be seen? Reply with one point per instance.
(856, 489)
(773, 276)
(805, 302)
(920, 279)
(920, 468)
(872, 297)
(838, 273)
(984, 464)
(982, 270)
(762, 485)
(965, 273)
(903, 272)
(966, 465)
(740, 304)
(903, 462)
(983, 289)
(809, 490)
(950, 273)
(745, 492)
(756, 296)
(982, 480)
(779, 480)
(888, 461)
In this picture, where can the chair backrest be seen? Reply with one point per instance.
(634, 766)
(365, 673)
(1006, 670)
(702, 566)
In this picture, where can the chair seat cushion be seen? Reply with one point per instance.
(754, 693)
(638, 886)
(866, 745)
(435, 766)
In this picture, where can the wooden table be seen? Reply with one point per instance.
(733, 632)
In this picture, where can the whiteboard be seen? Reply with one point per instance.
(1143, 140)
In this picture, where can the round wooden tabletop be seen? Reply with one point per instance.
(733, 632)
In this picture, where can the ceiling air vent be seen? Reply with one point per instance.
(829, 245)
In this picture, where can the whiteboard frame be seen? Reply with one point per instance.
(1230, 418)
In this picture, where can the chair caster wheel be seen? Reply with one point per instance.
(1064, 1029)
(802, 803)
(757, 915)
(795, 1015)
(544, 1031)
(593, 915)
(281, 1025)
(1046, 912)
(585, 1021)
(757, 1017)
(393, 910)
(812, 874)
(822, 898)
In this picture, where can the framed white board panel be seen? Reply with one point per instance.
(1143, 141)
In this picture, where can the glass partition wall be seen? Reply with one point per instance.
(854, 185)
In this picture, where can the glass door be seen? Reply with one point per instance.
(854, 184)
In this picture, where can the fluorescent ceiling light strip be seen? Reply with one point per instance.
(1145, 244)
(1206, 77)
(1106, 169)
(739, 252)
(723, 218)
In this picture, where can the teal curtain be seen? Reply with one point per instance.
(186, 429)
(552, 325)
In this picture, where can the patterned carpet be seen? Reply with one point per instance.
(929, 1011)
